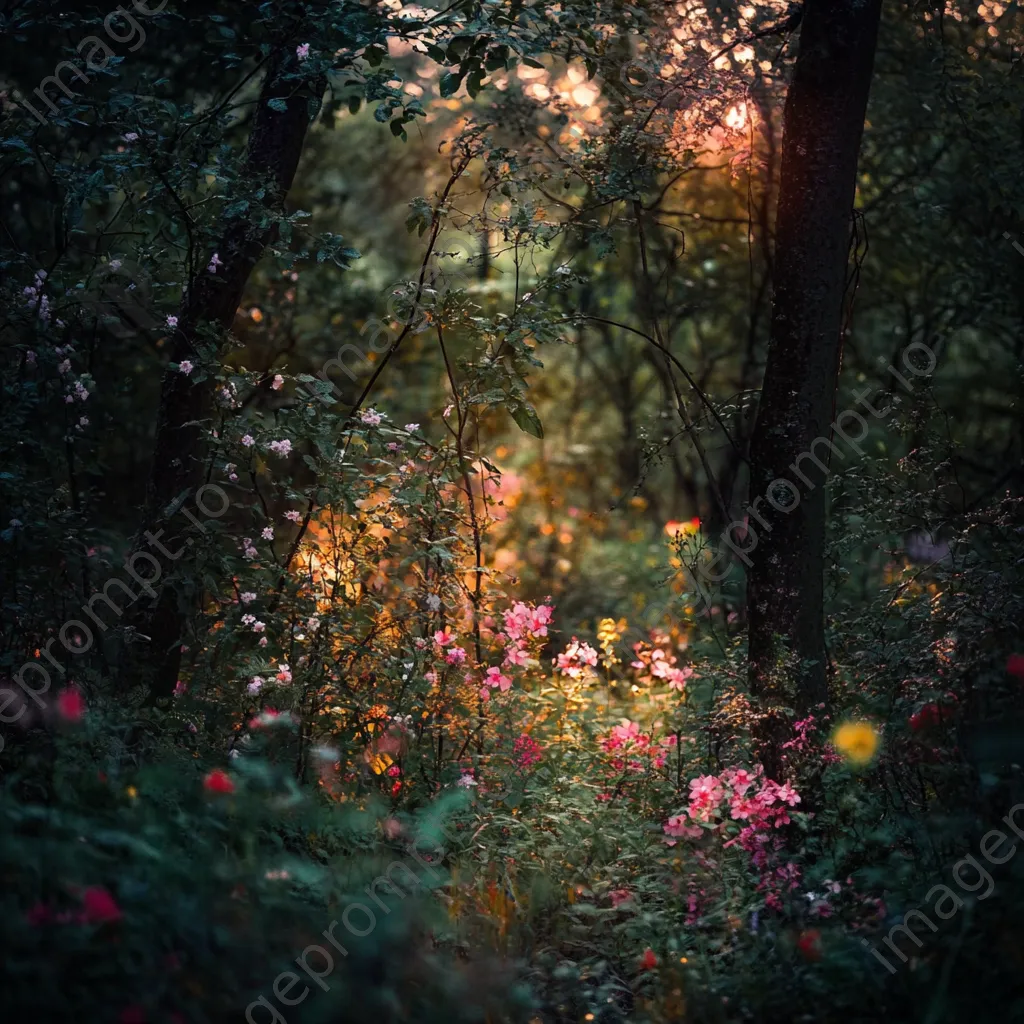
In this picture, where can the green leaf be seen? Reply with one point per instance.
(527, 419)
(450, 82)
(475, 83)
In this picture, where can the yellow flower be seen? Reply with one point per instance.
(857, 741)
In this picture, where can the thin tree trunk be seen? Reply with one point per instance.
(822, 126)
(208, 309)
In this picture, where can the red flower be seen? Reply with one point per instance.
(70, 704)
(648, 961)
(929, 715)
(809, 944)
(100, 906)
(219, 781)
(1015, 665)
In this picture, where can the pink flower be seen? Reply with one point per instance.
(281, 447)
(739, 780)
(172, 322)
(247, 596)
(215, 262)
(70, 704)
(248, 441)
(277, 383)
(255, 685)
(443, 637)
(99, 907)
(293, 515)
(678, 827)
(371, 417)
(741, 809)
(284, 674)
(302, 52)
(677, 678)
(268, 533)
(516, 656)
(620, 896)
(455, 656)
(496, 679)
(787, 794)
(627, 731)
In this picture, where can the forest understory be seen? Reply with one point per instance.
(511, 512)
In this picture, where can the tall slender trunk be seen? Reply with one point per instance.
(822, 126)
(283, 113)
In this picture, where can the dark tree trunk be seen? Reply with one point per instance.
(822, 126)
(208, 309)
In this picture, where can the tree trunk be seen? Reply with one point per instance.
(822, 126)
(208, 309)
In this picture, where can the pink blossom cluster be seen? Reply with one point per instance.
(98, 907)
(634, 745)
(762, 805)
(658, 663)
(575, 659)
(526, 751)
(762, 809)
(523, 623)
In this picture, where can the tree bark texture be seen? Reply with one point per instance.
(823, 122)
(272, 156)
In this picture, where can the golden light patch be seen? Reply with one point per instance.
(857, 741)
